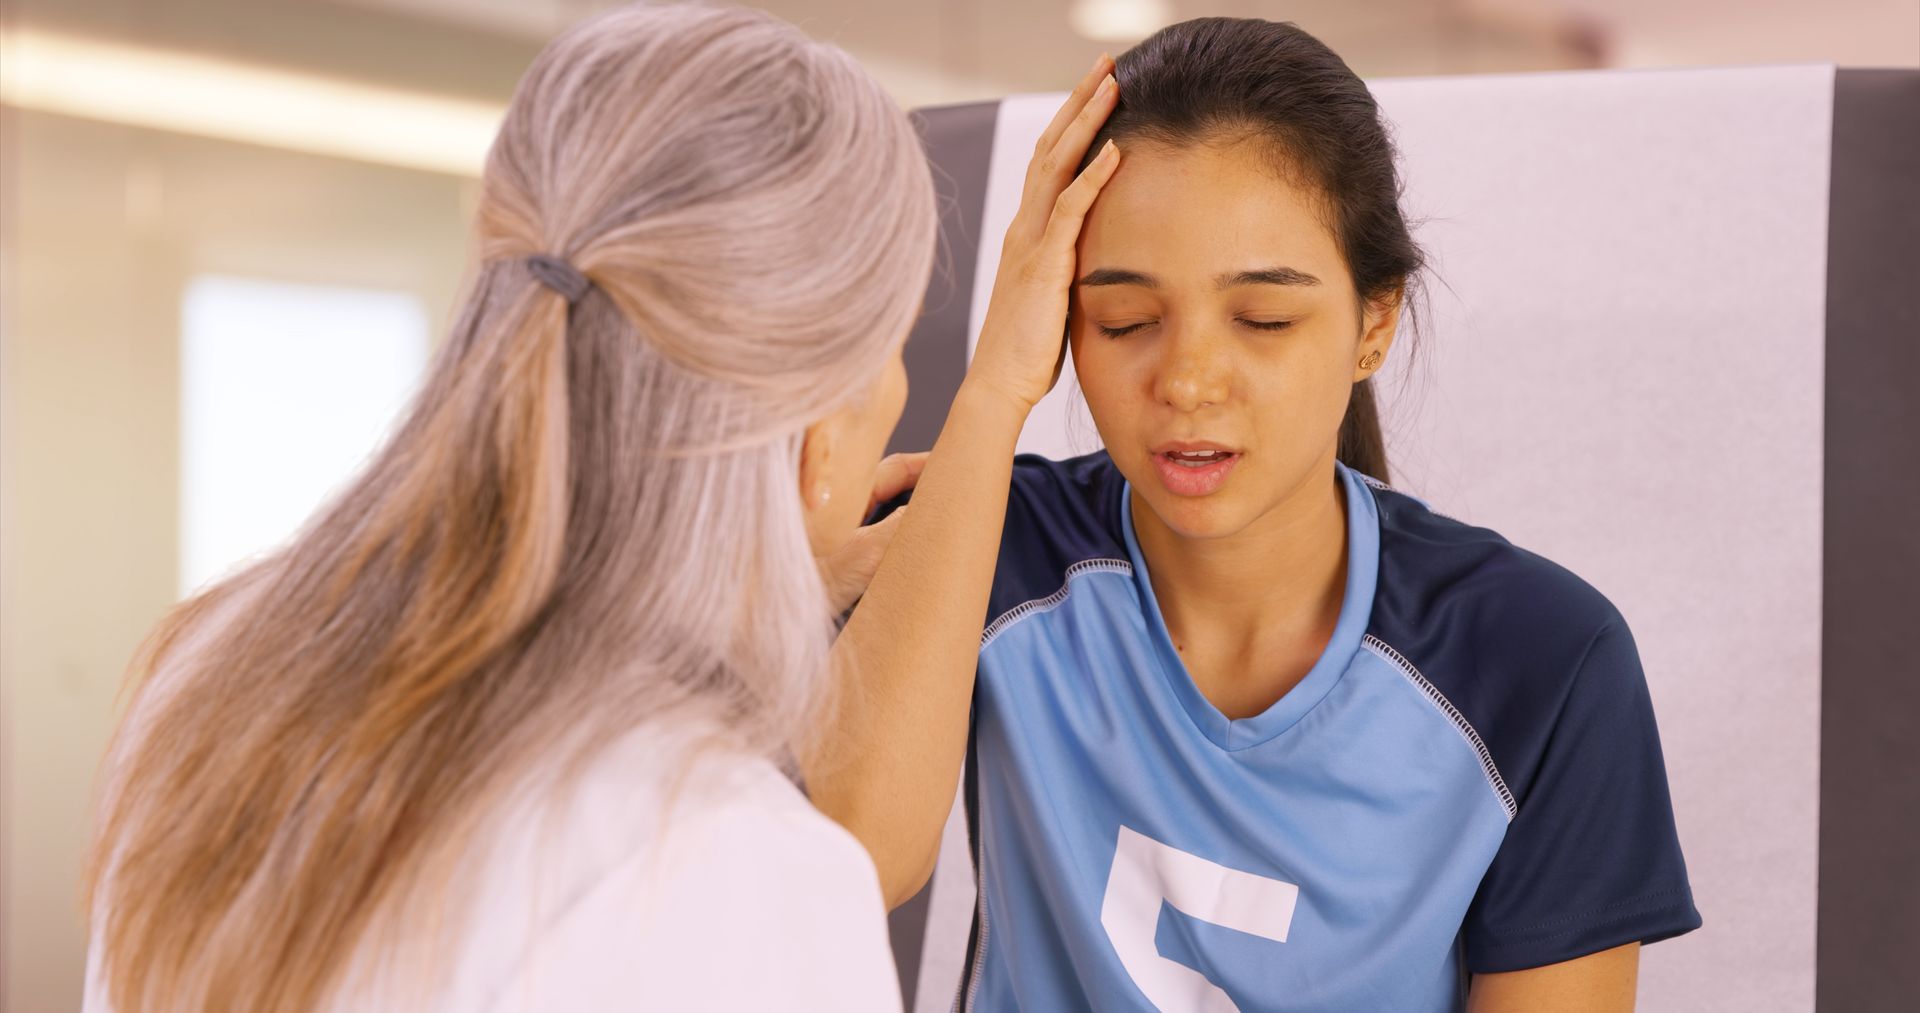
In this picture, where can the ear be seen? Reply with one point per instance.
(816, 462)
(1380, 321)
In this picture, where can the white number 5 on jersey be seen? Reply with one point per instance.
(1145, 872)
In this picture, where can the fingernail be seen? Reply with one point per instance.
(1098, 62)
(1110, 149)
(1108, 84)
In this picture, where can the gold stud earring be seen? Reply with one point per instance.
(1371, 360)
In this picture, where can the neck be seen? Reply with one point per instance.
(1283, 575)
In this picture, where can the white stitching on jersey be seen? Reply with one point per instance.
(1460, 723)
(1052, 601)
(1384, 487)
(964, 1003)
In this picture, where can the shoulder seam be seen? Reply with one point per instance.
(1460, 722)
(1028, 608)
(1374, 483)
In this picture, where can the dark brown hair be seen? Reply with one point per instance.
(1271, 80)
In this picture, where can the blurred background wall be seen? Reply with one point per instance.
(210, 207)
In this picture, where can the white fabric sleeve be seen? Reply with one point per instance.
(757, 903)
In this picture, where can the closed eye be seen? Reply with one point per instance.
(1258, 325)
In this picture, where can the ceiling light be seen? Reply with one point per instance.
(1119, 20)
(210, 97)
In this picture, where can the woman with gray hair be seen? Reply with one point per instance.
(511, 723)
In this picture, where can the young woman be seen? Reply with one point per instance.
(505, 726)
(1250, 730)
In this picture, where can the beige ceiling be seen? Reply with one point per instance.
(954, 50)
(932, 51)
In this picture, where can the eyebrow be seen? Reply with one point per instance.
(1263, 276)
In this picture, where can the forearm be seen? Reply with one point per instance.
(892, 756)
(890, 759)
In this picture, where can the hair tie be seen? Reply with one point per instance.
(560, 276)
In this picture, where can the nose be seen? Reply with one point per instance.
(1193, 373)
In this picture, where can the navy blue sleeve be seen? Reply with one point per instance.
(1591, 860)
(1058, 513)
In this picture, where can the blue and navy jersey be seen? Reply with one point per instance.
(1468, 780)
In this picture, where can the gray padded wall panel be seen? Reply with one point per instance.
(1870, 694)
(959, 141)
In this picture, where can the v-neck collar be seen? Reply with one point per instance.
(1356, 609)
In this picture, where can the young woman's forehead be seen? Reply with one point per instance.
(1195, 212)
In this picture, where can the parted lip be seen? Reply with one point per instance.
(1191, 447)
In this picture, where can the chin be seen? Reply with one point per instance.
(1216, 515)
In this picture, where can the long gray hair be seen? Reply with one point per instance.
(588, 522)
